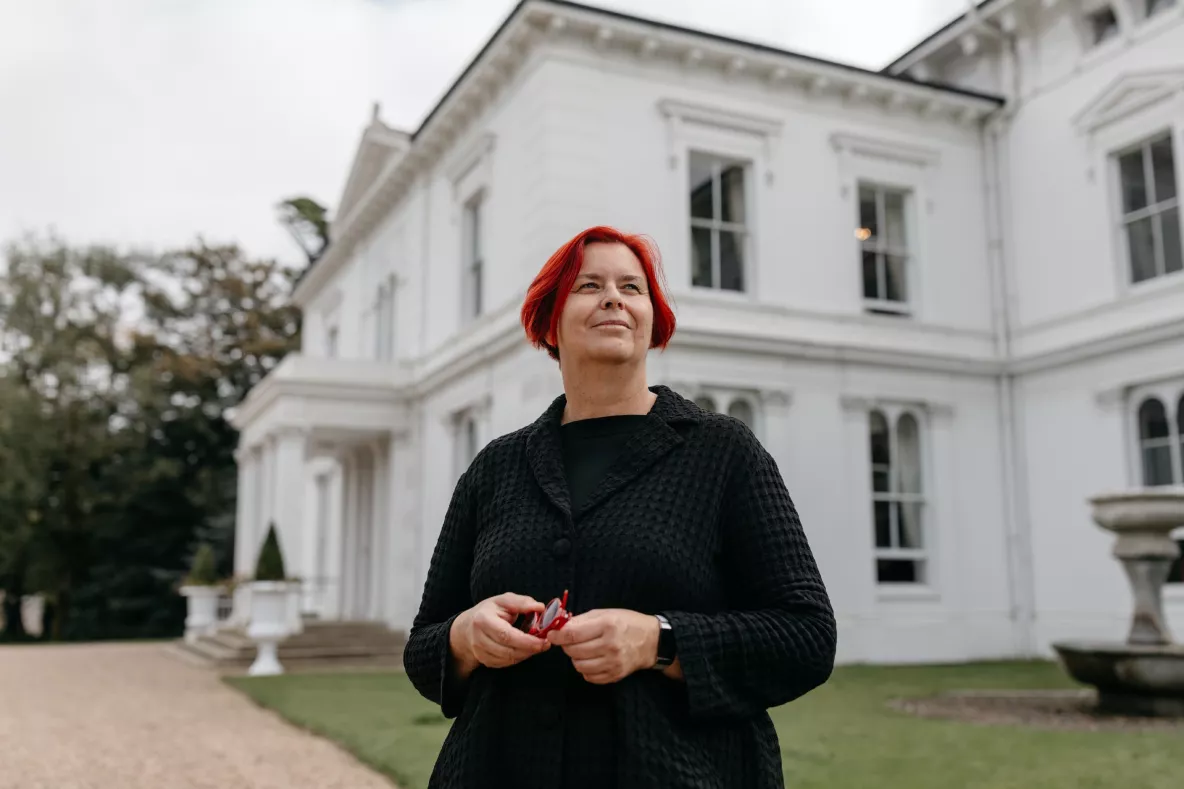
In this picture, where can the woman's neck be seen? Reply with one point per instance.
(605, 391)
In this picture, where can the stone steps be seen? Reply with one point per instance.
(322, 646)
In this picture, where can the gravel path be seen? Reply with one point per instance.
(100, 716)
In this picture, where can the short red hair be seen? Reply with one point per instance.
(548, 293)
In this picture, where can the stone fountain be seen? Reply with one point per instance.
(1145, 674)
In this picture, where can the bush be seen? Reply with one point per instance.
(270, 565)
(204, 571)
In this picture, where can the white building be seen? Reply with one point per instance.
(971, 295)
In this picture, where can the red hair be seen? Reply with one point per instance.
(547, 294)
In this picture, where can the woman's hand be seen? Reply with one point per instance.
(485, 634)
(608, 644)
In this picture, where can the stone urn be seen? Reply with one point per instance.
(201, 610)
(1145, 674)
(269, 625)
(1143, 522)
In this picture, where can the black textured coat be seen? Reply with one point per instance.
(695, 522)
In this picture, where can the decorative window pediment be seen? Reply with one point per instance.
(1129, 94)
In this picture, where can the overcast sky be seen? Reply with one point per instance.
(150, 122)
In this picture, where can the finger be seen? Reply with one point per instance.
(518, 603)
(578, 630)
(596, 665)
(503, 633)
(587, 649)
(602, 678)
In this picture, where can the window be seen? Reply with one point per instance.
(897, 498)
(719, 216)
(331, 342)
(465, 446)
(1153, 7)
(884, 252)
(1161, 451)
(473, 259)
(384, 321)
(1150, 209)
(741, 409)
(1102, 24)
(706, 402)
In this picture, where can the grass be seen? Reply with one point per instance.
(841, 735)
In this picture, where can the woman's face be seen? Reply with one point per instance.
(608, 316)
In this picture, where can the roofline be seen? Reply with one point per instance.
(766, 48)
(673, 28)
(939, 33)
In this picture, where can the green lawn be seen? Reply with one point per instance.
(841, 735)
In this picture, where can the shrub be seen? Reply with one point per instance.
(204, 571)
(270, 565)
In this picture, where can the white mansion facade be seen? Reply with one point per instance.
(947, 296)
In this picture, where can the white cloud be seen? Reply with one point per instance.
(149, 122)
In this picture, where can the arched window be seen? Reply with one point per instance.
(1155, 443)
(897, 498)
(741, 409)
(706, 402)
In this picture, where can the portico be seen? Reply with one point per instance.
(320, 441)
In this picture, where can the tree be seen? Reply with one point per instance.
(307, 221)
(270, 564)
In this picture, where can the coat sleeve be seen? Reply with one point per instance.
(777, 640)
(427, 657)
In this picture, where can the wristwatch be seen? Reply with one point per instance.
(665, 642)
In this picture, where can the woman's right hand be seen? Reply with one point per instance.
(485, 634)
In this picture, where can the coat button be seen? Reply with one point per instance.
(561, 548)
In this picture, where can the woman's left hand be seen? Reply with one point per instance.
(608, 644)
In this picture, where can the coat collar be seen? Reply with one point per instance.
(654, 439)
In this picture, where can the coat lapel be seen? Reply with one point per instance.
(648, 445)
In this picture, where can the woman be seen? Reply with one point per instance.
(694, 600)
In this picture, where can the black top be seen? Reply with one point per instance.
(692, 520)
(589, 448)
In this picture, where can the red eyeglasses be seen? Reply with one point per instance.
(554, 617)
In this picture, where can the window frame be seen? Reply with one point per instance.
(923, 556)
(900, 166)
(1152, 209)
(1170, 394)
(730, 134)
(723, 398)
(882, 249)
(717, 225)
(473, 256)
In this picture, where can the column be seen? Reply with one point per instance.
(244, 525)
(380, 532)
(288, 507)
(774, 419)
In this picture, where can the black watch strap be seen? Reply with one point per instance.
(666, 650)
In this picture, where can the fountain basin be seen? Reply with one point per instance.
(1131, 679)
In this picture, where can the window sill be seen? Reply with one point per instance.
(887, 309)
(1151, 286)
(907, 592)
(698, 292)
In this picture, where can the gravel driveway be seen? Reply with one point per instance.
(131, 716)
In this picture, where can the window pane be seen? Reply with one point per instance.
(702, 194)
(1173, 257)
(908, 521)
(1153, 420)
(1157, 465)
(1141, 244)
(867, 212)
(871, 286)
(1164, 166)
(741, 410)
(705, 402)
(701, 257)
(1176, 573)
(897, 571)
(1155, 6)
(880, 479)
(894, 281)
(883, 512)
(1134, 181)
(908, 455)
(732, 193)
(731, 260)
(894, 220)
(1104, 24)
(879, 435)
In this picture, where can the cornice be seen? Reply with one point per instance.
(611, 34)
